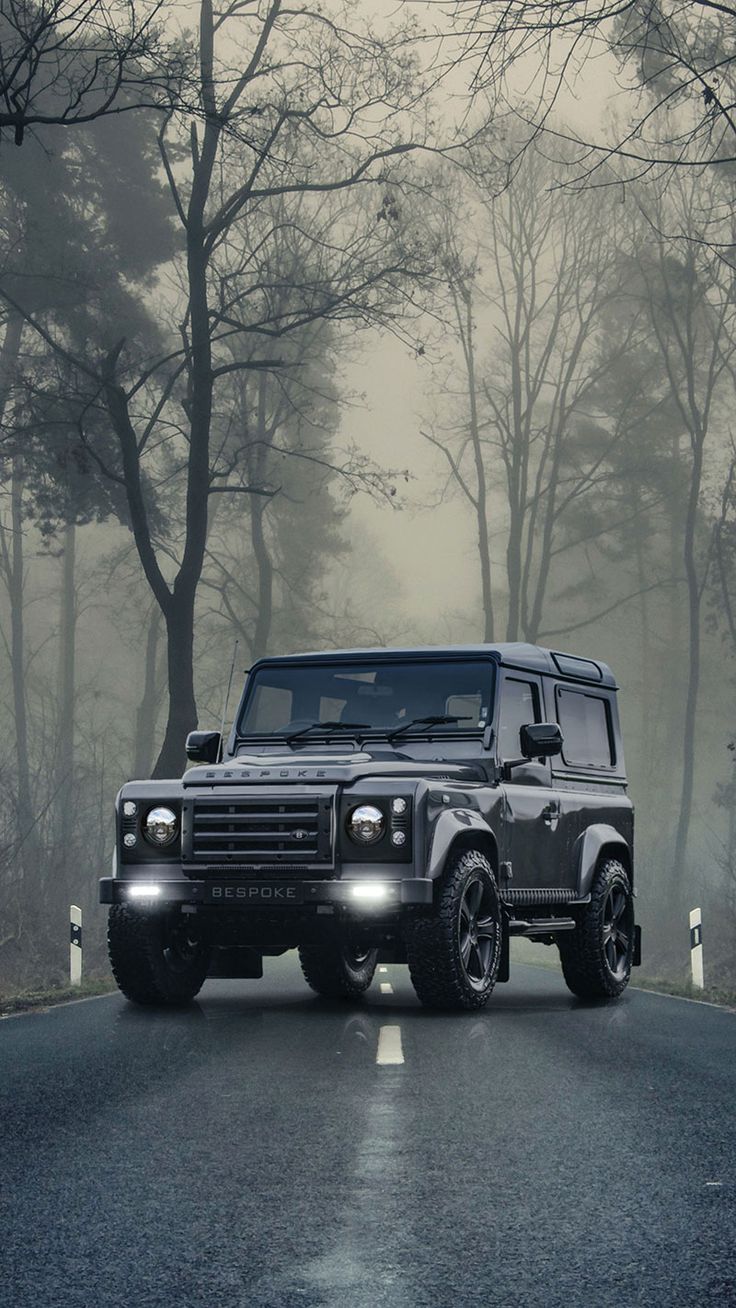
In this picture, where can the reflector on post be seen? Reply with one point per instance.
(696, 948)
(75, 945)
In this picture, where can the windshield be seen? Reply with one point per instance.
(378, 697)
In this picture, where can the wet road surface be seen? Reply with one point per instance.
(265, 1148)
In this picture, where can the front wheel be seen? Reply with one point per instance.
(156, 958)
(597, 957)
(338, 971)
(454, 955)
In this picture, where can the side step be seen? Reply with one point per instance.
(540, 926)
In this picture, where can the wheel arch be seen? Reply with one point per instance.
(456, 830)
(595, 842)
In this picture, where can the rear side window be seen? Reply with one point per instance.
(586, 729)
(519, 707)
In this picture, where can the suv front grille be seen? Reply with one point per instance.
(258, 830)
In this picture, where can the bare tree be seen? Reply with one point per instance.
(680, 108)
(12, 569)
(68, 62)
(294, 104)
(692, 314)
(532, 291)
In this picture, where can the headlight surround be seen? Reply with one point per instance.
(160, 826)
(366, 824)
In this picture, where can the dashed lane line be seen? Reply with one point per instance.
(390, 1052)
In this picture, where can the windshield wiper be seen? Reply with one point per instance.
(441, 720)
(328, 726)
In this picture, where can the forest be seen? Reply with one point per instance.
(331, 325)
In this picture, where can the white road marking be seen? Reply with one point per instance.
(386, 988)
(389, 1051)
(683, 999)
(714, 1183)
(64, 1003)
(383, 969)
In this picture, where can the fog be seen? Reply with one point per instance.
(432, 367)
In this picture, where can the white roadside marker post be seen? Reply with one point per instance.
(75, 945)
(696, 948)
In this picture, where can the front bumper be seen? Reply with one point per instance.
(265, 893)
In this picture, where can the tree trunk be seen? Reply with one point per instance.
(258, 505)
(145, 723)
(27, 834)
(693, 680)
(182, 715)
(481, 498)
(66, 694)
(513, 569)
(13, 564)
(179, 607)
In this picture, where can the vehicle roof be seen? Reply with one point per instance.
(513, 654)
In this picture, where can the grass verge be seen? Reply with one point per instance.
(23, 1001)
(525, 951)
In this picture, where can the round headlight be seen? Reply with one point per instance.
(366, 824)
(160, 826)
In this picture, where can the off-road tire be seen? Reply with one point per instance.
(146, 966)
(438, 972)
(337, 972)
(585, 964)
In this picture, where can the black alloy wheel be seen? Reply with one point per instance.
(156, 957)
(182, 945)
(597, 956)
(616, 931)
(477, 931)
(454, 952)
(337, 970)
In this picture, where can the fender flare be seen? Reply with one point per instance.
(587, 851)
(465, 825)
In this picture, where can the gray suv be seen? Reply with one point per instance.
(414, 806)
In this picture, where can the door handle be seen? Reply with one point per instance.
(550, 813)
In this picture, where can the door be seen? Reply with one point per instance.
(531, 838)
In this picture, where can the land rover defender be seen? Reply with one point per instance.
(416, 806)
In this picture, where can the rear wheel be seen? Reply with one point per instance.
(338, 971)
(454, 955)
(597, 957)
(156, 958)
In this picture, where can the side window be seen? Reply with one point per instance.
(519, 707)
(586, 729)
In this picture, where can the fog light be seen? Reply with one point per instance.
(129, 840)
(129, 808)
(143, 891)
(398, 805)
(369, 891)
(398, 838)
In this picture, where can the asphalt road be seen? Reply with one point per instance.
(252, 1152)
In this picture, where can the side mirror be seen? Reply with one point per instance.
(540, 740)
(204, 746)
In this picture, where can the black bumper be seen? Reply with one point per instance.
(265, 893)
